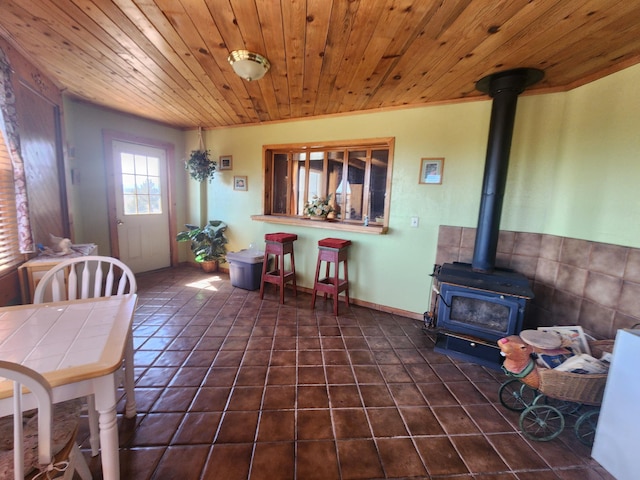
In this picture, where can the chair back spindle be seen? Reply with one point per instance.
(39, 387)
(98, 278)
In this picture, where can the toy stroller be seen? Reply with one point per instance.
(558, 394)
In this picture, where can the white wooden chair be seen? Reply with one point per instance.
(84, 277)
(39, 441)
(78, 278)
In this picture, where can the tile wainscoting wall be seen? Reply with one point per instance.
(576, 282)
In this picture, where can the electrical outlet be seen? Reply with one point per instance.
(414, 222)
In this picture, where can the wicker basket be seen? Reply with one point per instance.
(577, 387)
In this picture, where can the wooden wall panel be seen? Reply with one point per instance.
(38, 102)
(39, 140)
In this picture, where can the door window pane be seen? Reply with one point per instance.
(140, 184)
(128, 166)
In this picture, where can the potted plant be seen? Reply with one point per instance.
(318, 208)
(208, 243)
(200, 165)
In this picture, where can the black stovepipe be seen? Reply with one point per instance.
(504, 87)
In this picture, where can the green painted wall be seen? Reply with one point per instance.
(84, 124)
(598, 169)
(573, 172)
(387, 269)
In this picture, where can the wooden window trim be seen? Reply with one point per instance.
(365, 144)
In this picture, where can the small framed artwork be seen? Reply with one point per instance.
(226, 162)
(431, 170)
(240, 183)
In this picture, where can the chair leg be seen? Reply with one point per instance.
(293, 269)
(336, 284)
(265, 261)
(326, 274)
(281, 272)
(79, 464)
(346, 279)
(315, 284)
(94, 428)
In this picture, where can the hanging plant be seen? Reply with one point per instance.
(200, 165)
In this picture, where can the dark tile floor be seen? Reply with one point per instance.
(232, 387)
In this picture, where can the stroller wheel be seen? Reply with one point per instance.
(541, 423)
(585, 427)
(515, 395)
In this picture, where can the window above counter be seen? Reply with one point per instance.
(353, 176)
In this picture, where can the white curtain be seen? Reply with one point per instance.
(9, 127)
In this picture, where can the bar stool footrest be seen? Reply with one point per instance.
(274, 276)
(326, 285)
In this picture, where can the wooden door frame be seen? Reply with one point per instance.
(108, 137)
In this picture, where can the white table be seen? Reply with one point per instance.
(78, 347)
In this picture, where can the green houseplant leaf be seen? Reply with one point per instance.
(208, 242)
(200, 165)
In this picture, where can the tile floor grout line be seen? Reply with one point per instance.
(469, 385)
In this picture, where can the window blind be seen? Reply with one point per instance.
(10, 256)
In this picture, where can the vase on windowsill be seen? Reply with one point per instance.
(318, 208)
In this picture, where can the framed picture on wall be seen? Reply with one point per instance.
(240, 183)
(226, 162)
(431, 170)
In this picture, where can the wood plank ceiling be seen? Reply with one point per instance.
(166, 60)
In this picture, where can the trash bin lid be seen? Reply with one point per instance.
(246, 256)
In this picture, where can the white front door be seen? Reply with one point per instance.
(142, 206)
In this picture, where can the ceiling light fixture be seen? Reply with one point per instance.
(248, 65)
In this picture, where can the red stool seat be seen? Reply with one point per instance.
(280, 237)
(278, 245)
(332, 250)
(334, 243)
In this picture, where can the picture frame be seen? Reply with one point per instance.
(226, 162)
(240, 183)
(431, 171)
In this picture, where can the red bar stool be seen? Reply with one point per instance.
(279, 244)
(332, 250)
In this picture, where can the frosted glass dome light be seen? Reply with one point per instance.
(248, 65)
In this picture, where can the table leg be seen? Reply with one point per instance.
(94, 427)
(105, 395)
(129, 386)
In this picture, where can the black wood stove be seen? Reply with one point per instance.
(476, 309)
(479, 303)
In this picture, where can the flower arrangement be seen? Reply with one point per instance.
(200, 165)
(318, 207)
